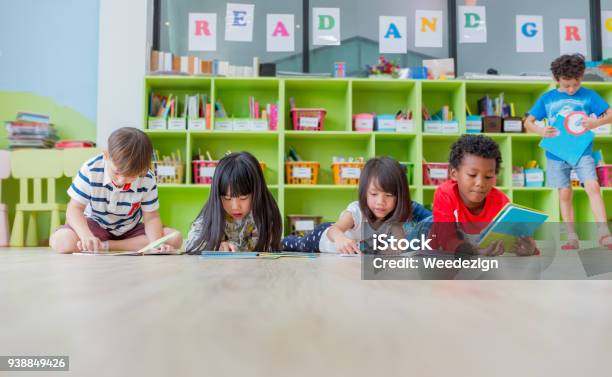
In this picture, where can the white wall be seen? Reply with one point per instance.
(500, 50)
(124, 44)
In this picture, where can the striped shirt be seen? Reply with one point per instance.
(116, 209)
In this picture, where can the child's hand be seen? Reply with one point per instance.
(548, 131)
(346, 245)
(524, 246)
(590, 123)
(494, 249)
(166, 248)
(90, 243)
(227, 246)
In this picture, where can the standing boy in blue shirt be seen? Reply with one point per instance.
(568, 71)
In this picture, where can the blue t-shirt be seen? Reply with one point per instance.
(554, 102)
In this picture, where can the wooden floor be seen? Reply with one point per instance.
(184, 316)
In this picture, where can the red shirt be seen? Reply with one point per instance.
(449, 209)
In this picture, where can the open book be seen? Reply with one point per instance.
(255, 255)
(512, 222)
(150, 249)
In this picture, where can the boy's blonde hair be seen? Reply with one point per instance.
(130, 150)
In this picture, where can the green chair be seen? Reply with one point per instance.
(32, 165)
(73, 159)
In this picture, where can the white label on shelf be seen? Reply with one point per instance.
(177, 124)
(602, 130)
(386, 124)
(473, 125)
(207, 171)
(404, 125)
(166, 171)
(304, 225)
(513, 126)
(242, 125)
(157, 124)
(437, 173)
(301, 172)
(537, 176)
(450, 127)
(223, 124)
(350, 172)
(259, 125)
(364, 124)
(518, 179)
(198, 124)
(433, 126)
(309, 122)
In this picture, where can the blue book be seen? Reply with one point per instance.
(254, 254)
(573, 139)
(512, 222)
(229, 255)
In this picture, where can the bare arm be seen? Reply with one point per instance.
(336, 234)
(76, 219)
(531, 127)
(592, 123)
(153, 225)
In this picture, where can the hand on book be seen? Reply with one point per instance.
(90, 243)
(345, 245)
(494, 249)
(524, 246)
(227, 246)
(548, 131)
(590, 123)
(165, 248)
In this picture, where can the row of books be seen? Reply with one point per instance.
(30, 130)
(256, 111)
(495, 107)
(166, 62)
(164, 106)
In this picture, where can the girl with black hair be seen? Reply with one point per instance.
(240, 214)
(384, 207)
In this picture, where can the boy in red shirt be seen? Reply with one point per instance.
(464, 205)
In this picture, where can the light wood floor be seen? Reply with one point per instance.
(184, 316)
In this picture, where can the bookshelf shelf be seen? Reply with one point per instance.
(342, 98)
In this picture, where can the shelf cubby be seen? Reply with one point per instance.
(385, 96)
(331, 95)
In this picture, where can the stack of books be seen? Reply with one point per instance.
(31, 131)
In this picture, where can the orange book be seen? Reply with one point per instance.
(176, 63)
(154, 60)
(191, 65)
(208, 111)
(206, 66)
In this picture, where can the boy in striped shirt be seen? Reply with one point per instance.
(110, 196)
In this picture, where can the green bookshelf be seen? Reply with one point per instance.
(342, 98)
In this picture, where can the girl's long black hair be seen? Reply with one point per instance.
(391, 178)
(239, 174)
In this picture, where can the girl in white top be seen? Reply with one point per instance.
(384, 205)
